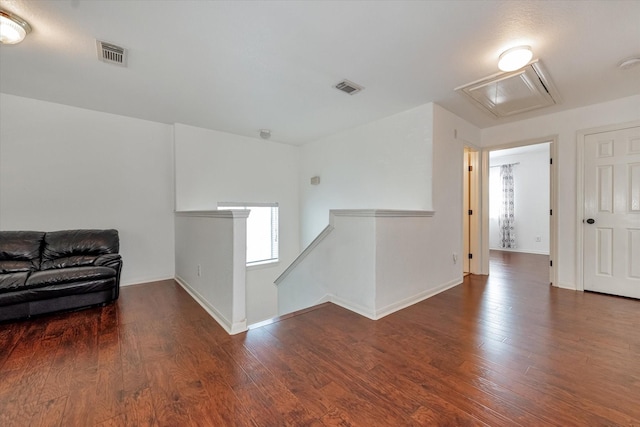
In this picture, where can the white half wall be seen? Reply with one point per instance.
(565, 125)
(65, 167)
(211, 263)
(385, 164)
(410, 266)
(373, 262)
(213, 166)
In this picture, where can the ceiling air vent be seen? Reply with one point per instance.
(506, 94)
(349, 87)
(111, 54)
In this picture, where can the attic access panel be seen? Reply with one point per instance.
(506, 94)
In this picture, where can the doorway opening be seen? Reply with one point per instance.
(519, 228)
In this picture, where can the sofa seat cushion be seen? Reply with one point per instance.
(56, 291)
(69, 275)
(13, 281)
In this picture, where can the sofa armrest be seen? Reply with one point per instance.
(108, 260)
(114, 261)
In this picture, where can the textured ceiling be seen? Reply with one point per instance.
(240, 66)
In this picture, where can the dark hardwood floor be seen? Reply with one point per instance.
(502, 351)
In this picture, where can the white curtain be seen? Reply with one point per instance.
(506, 219)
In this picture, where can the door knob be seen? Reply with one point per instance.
(591, 221)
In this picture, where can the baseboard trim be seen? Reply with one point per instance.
(277, 319)
(230, 327)
(362, 311)
(566, 286)
(397, 306)
(523, 251)
(145, 280)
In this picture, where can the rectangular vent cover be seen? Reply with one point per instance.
(111, 53)
(349, 87)
(506, 94)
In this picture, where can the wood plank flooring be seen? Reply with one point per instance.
(500, 351)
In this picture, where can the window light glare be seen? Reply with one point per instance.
(13, 29)
(515, 58)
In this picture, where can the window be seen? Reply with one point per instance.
(262, 231)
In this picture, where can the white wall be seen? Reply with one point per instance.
(565, 124)
(385, 164)
(531, 181)
(450, 135)
(413, 256)
(64, 167)
(214, 167)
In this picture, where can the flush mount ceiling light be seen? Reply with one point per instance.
(628, 63)
(13, 29)
(515, 58)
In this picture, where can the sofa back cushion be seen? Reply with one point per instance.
(20, 250)
(74, 248)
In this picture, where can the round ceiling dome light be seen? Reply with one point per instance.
(515, 58)
(628, 63)
(13, 29)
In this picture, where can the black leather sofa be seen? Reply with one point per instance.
(45, 272)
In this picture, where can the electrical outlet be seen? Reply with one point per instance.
(199, 270)
(455, 258)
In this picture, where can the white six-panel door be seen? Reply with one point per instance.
(612, 212)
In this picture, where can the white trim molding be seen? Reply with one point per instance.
(380, 213)
(377, 314)
(226, 213)
(399, 305)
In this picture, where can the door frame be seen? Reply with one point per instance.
(466, 218)
(581, 135)
(553, 201)
(475, 221)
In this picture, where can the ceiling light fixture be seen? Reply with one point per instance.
(515, 58)
(629, 63)
(13, 29)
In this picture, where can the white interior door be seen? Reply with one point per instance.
(612, 212)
